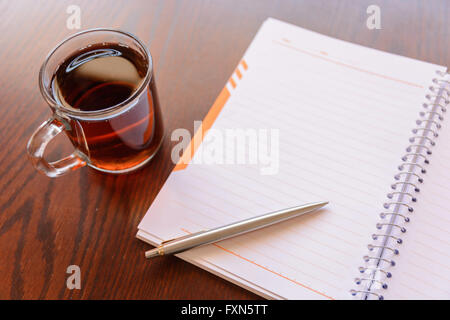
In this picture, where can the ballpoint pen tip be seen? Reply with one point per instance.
(320, 204)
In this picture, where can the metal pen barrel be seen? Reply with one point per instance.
(231, 230)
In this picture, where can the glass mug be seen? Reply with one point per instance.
(100, 86)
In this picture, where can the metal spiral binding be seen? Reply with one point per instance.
(384, 248)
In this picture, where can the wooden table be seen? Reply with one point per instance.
(90, 219)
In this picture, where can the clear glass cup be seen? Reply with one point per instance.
(117, 139)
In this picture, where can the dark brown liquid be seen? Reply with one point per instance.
(99, 78)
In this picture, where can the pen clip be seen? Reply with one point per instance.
(182, 237)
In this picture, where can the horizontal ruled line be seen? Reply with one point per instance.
(348, 65)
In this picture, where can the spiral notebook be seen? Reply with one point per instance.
(361, 128)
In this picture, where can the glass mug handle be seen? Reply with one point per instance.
(36, 147)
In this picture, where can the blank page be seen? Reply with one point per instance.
(343, 114)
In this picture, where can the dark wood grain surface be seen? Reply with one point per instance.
(90, 219)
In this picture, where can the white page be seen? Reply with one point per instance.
(344, 115)
(424, 261)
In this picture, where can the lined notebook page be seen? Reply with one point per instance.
(424, 260)
(344, 114)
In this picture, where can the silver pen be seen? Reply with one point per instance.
(230, 230)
